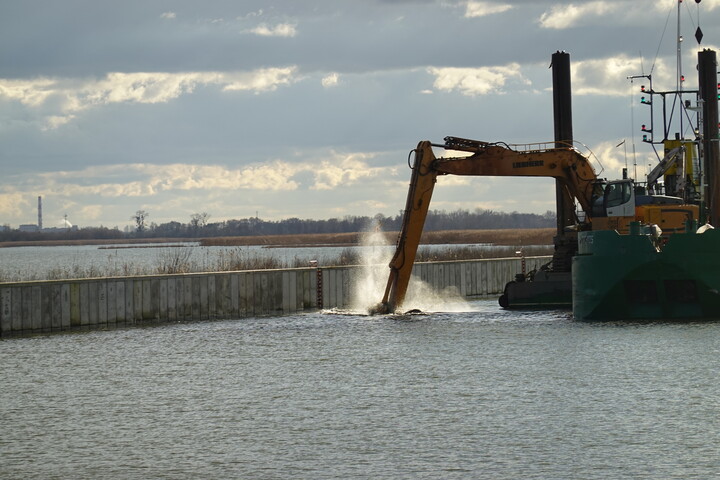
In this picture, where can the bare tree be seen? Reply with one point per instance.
(199, 221)
(140, 217)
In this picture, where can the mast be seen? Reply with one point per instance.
(679, 75)
(680, 170)
(562, 113)
(707, 73)
(565, 244)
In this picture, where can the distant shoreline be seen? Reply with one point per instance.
(522, 236)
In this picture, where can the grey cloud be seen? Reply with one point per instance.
(76, 38)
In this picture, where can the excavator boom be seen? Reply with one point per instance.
(567, 165)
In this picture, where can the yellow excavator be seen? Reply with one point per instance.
(606, 205)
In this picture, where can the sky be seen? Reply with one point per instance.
(309, 109)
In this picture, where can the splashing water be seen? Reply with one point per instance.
(370, 286)
(375, 257)
(422, 296)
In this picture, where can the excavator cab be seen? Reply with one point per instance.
(623, 203)
(619, 199)
(615, 199)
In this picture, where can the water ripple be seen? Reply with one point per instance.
(479, 394)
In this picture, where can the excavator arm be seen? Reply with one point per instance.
(422, 184)
(567, 165)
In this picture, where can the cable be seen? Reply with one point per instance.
(657, 53)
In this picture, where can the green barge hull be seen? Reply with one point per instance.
(626, 277)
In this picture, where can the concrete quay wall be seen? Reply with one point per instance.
(60, 305)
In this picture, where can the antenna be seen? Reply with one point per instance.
(632, 125)
(679, 78)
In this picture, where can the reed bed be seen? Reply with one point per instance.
(511, 237)
(181, 259)
(170, 261)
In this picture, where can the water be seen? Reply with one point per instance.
(480, 393)
(36, 263)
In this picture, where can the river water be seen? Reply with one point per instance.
(475, 393)
(42, 263)
(35, 263)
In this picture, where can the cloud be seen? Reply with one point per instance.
(279, 30)
(336, 170)
(343, 170)
(258, 13)
(168, 15)
(606, 76)
(140, 88)
(147, 179)
(61, 99)
(330, 80)
(476, 81)
(578, 14)
(572, 15)
(475, 9)
(711, 5)
(454, 181)
(263, 80)
(87, 212)
(13, 203)
(30, 92)
(609, 158)
(56, 121)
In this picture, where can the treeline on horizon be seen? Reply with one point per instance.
(437, 220)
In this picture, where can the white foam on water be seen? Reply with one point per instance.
(371, 283)
(374, 258)
(421, 296)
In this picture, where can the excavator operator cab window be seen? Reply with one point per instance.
(619, 199)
